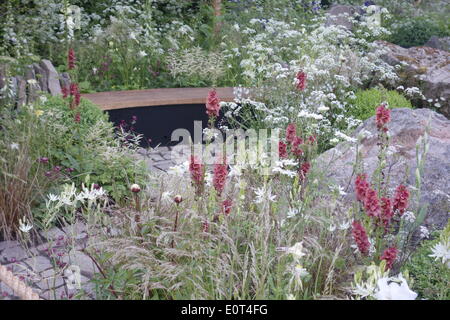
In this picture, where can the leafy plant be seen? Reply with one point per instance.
(431, 278)
(416, 31)
(89, 148)
(43, 145)
(365, 102)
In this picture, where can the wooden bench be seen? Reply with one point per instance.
(113, 100)
(159, 111)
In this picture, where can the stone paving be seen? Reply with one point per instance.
(162, 158)
(159, 159)
(57, 268)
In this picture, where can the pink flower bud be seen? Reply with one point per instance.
(178, 199)
(135, 188)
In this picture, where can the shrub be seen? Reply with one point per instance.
(89, 148)
(416, 32)
(363, 107)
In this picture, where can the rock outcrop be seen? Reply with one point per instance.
(341, 15)
(407, 126)
(52, 77)
(425, 67)
(439, 43)
(38, 78)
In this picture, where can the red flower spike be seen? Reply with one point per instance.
(389, 255)
(401, 200)
(360, 236)
(383, 116)
(361, 186)
(196, 170)
(212, 104)
(301, 80)
(71, 59)
(296, 150)
(65, 92)
(226, 206)
(386, 211)
(372, 204)
(291, 132)
(220, 175)
(304, 169)
(282, 150)
(205, 226)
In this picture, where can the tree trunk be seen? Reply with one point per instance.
(217, 5)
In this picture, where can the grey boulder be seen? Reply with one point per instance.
(406, 127)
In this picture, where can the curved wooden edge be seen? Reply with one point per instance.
(112, 100)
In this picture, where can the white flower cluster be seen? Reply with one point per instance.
(70, 197)
(441, 250)
(335, 60)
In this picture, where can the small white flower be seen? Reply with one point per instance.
(300, 273)
(344, 225)
(297, 251)
(178, 170)
(323, 109)
(441, 251)
(235, 171)
(209, 177)
(292, 213)
(142, 54)
(263, 194)
(364, 290)
(424, 232)
(135, 188)
(409, 217)
(334, 140)
(166, 196)
(14, 146)
(290, 296)
(52, 197)
(24, 226)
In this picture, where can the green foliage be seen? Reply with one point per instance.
(89, 147)
(431, 278)
(417, 31)
(363, 107)
(84, 152)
